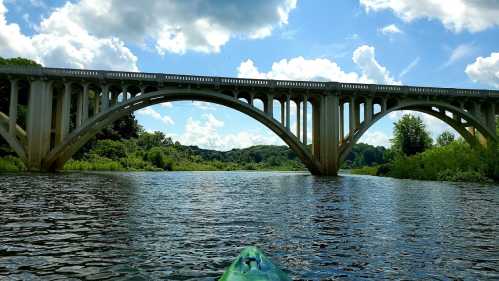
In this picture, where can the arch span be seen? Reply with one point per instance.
(75, 140)
(427, 108)
(14, 143)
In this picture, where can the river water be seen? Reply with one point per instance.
(190, 226)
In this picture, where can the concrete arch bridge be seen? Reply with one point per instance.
(67, 107)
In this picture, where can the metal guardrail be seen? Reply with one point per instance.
(228, 81)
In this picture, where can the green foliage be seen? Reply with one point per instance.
(410, 135)
(157, 139)
(366, 155)
(11, 164)
(110, 149)
(445, 138)
(440, 162)
(371, 171)
(18, 61)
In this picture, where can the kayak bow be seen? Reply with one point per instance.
(253, 265)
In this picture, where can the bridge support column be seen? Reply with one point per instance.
(283, 112)
(79, 110)
(38, 124)
(125, 93)
(14, 94)
(288, 112)
(305, 120)
(269, 106)
(84, 105)
(329, 135)
(298, 119)
(63, 113)
(368, 110)
(105, 98)
(352, 120)
(342, 123)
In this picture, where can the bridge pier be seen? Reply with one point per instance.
(329, 134)
(38, 124)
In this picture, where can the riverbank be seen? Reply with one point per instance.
(457, 162)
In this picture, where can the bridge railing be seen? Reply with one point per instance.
(263, 83)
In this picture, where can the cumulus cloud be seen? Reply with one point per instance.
(205, 134)
(92, 33)
(456, 15)
(148, 111)
(375, 138)
(321, 69)
(485, 70)
(390, 30)
(175, 26)
(68, 45)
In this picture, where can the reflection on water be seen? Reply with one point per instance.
(190, 226)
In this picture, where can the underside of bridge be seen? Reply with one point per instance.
(66, 108)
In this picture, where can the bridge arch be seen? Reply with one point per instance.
(63, 151)
(426, 107)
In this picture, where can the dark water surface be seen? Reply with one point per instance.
(190, 226)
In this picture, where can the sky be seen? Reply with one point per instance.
(438, 43)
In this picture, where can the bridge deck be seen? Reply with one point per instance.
(240, 82)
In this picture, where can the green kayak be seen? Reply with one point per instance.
(253, 265)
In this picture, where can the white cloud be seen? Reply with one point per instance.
(375, 138)
(204, 105)
(410, 67)
(68, 45)
(485, 70)
(390, 30)
(456, 15)
(321, 69)
(372, 71)
(460, 52)
(176, 26)
(148, 111)
(166, 105)
(205, 134)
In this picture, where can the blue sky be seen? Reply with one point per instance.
(447, 43)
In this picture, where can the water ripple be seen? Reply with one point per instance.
(190, 226)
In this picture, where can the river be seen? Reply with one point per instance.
(190, 226)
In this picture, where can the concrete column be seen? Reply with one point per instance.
(384, 105)
(105, 97)
(63, 113)
(288, 112)
(342, 123)
(298, 119)
(84, 105)
(97, 103)
(142, 90)
(14, 94)
(316, 128)
(356, 107)
(251, 99)
(124, 90)
(114, 98)
(269, 106)
(79, 110)
(329, 134)
(283, 112)
(368, 110)
(477, 110)
(305, 120)
(38, 123)
(352, 118)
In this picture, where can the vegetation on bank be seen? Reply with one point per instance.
(414, 156)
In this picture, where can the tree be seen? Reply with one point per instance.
(445, 138)
(157, 139)
(410, 135)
